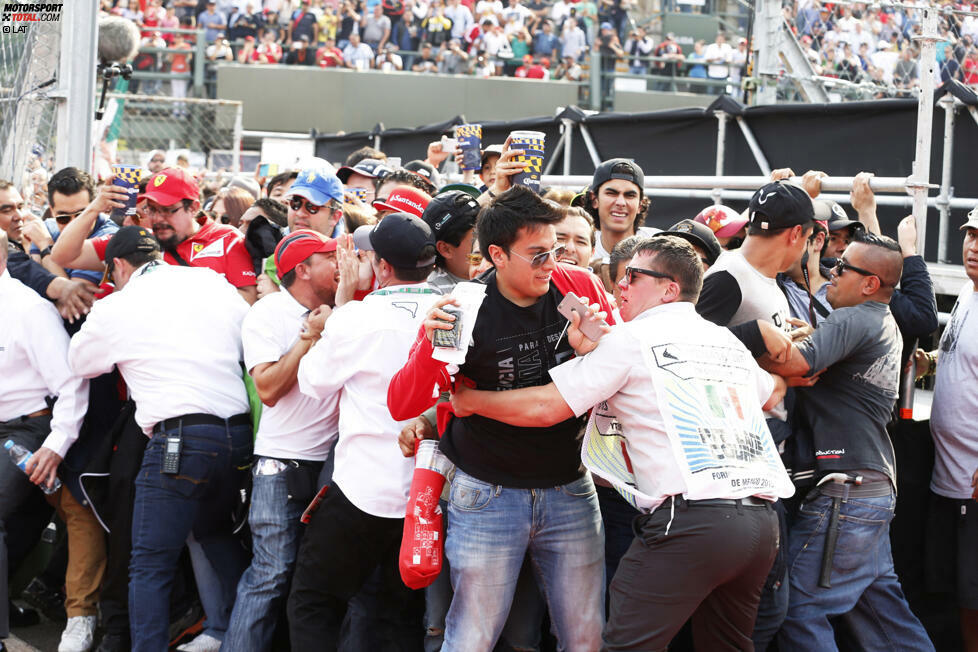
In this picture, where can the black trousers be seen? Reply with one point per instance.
(711, 566)
(341, 548)
(127, 457)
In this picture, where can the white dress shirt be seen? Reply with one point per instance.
(175, 334)
(363, 345)
(632, 409)
(297, 426)
(34, 364)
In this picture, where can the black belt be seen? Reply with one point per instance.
(26, 417)
(867, 490)
(749, 501)
(200, 420)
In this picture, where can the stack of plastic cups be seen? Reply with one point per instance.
(532, 144)
(126, 176)
(469, 139)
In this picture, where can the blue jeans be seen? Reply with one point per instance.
(264, 586)
(216, 597)
(490, 530)
(199, 499)
(865, 590)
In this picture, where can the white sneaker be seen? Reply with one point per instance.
(78, 635)
(203, 643)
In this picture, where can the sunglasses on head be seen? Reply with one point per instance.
(842, 265)
(474, 259)
(630, 273)
(296, 204)
(539, 259)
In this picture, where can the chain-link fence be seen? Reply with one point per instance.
(864, 51)
(206, 132)
(28, 115)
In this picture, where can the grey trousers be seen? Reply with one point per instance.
(688, 559)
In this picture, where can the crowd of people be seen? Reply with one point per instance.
(875, 44)
(224, 389)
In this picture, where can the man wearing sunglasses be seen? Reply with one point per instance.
(70, 191)
(172, 200)
(315, 201)
(516, 490)
(703, 479)
(849, 458)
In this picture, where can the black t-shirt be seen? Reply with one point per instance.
(303, 24)
(514, 347)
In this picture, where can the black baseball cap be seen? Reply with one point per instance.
(449, 208)
(398, 238)
(423, 170)
(780, 205)
(835, 215)
(128, 240)
(698, 234)
(618, 168)
(368, 167)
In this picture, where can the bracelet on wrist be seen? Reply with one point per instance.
(931, 364)
(46, 251)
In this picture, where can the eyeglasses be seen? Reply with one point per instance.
(630, 273)
(64, 218)
(842, 265)
(165, 211)
(296, 204)
(474, 259)
(538, 260)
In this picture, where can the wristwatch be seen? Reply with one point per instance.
(45, 252)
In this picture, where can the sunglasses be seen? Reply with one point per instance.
(538, 260)
(296, 204)
(474, 259)
(630, 273)
(64, 218)
(841, 266)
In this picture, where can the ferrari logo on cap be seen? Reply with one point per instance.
(159, 179)
(311, 176)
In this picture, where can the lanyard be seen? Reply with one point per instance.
(406, 290)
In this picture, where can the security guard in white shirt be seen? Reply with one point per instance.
(184, 373)
(33, 367)
(677, 428)
(358, 526)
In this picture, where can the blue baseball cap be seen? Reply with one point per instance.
(318, 185)
(607, 25)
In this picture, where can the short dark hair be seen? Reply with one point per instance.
(288, 278)
(890, 276)
(140, 258)
(69, 181)
(621, 252)
(281, 178)
(517, 208)
(417, 274)
(364, 152)
(756, 230)
(275, 211)
(676, 257)
(408, 178)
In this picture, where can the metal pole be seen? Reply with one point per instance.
(568, 144)
(918, 186)
(79, 47)
(829, 184)
(200, 61)
(947, 103)
(236, 140)
(754, 147)
(554, 154)
(721, 117)
(589, 143)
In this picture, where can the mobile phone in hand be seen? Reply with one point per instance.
(572, 303)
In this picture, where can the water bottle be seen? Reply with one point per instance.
(20, 456)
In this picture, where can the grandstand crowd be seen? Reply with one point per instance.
(231, 388)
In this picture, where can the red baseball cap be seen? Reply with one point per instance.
(296, 247)
(724, 221)
(171, 185)
(404, 199)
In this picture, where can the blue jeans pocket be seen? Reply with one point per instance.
(581, 488)
(470, 494)
(195, 470)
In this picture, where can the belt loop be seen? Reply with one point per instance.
(740, 506)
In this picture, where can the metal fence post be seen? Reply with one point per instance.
(76, 105)
(200, 62)
(721, 149)
(918, 184)
(944, 198)
(236, 139)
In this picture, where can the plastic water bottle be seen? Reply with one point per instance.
(21, 456)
